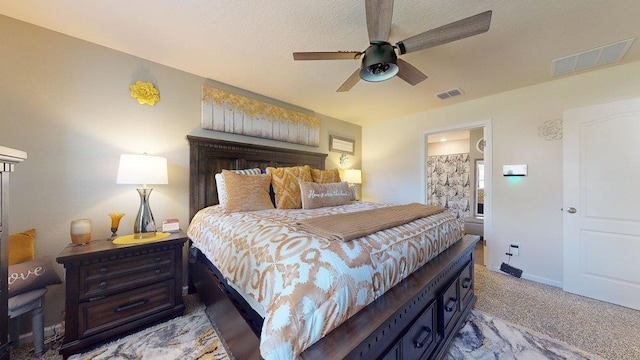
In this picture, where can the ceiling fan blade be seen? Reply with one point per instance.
(409, 73)
(456, 30)
(327, 55)
(379, 15)
(351, 81)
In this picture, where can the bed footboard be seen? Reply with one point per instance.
(417, 319)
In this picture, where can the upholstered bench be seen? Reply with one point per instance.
(28, 278)
(474, 225)
(22, 303)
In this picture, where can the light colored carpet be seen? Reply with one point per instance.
(601, 328)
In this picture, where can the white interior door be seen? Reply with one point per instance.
(601, 156)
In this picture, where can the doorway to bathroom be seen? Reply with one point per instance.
(458, 177)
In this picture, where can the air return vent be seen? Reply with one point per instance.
(595, 57)
(449, 94)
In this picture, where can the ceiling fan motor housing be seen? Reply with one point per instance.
(379, 62)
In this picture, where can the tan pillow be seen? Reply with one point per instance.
(247, 192)
(325, 176)
(21, 246)
(31, 275)
(316, 195)
(222, 188)
(286, 187)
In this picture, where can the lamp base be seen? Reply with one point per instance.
(144, 235)
(352, 187)
(144, 226)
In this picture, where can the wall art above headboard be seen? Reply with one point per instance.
(231, 112)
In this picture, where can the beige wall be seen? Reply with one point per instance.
(66, 103)
(525, 211)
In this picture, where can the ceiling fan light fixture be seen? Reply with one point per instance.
(379, 62)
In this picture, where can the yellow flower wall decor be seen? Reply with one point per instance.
(145, 93)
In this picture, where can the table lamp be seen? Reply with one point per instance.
(353, 176)
(143, 170)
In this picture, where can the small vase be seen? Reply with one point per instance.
(81, 231)
(115, 222)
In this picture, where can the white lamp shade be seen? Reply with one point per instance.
(353, 176)
(142, 169)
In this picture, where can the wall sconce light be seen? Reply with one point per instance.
(344, 160)
(145, 170)
(353, 177)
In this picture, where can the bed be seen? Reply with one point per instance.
(407, 315)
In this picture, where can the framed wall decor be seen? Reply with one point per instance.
(342, 145)
(261, 117)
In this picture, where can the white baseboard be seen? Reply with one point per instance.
(535, 278)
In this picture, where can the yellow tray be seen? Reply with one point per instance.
(130, 240)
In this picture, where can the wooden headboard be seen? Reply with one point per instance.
(209, 156)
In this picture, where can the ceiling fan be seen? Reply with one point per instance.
(379, 60)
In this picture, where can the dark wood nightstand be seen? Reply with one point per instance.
(113, 290)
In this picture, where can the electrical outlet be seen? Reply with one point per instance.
(514, 249)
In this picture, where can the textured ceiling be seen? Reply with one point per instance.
(249, 44)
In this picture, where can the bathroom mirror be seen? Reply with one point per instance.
(479, 186)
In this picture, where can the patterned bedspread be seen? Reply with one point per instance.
(309, 285)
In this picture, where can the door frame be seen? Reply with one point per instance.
(488, 172)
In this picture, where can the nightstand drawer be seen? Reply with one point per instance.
(104, 278)
(100, 315)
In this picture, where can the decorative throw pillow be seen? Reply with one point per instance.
(32, 275)
(325, 176)
(222, 188)
(316, 195)
(21, 246)
(286, 187)
(247, 192)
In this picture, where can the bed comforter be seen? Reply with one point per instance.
(308, 285)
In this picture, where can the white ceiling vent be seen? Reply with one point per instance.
(595, 57)
(450, 93)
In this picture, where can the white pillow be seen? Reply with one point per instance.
(223, 196)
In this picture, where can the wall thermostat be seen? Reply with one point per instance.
(514, 170)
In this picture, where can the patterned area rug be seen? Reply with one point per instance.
(485, 337)
(193, 337)
(188, 337)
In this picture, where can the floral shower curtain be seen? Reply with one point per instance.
(448, 183)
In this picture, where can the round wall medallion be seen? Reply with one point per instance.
(481, 144)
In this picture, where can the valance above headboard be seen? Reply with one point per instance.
(210, 156)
